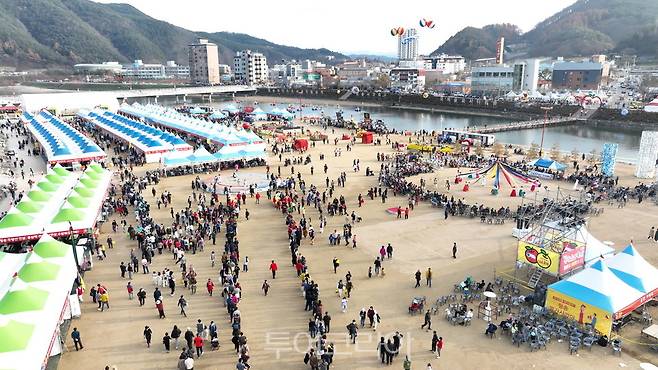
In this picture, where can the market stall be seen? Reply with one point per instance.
(596, 294)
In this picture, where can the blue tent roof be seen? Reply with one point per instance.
(584, 294)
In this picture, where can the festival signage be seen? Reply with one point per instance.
(579, 311)
(538, 257)
(541, 175)
(572, 256)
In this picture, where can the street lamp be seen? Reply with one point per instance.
(541, 145)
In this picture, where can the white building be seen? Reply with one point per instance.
(250, 67)
(204, 62)
(446, 64)
(526, 75)
(408, 45)
(173, 70)
(408, 79)
(105, 67)
(144, 71)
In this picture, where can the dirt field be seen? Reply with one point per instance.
(276, 325)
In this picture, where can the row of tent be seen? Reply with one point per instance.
(34, 296)
(222, 135)
(60, 203)
(203, 156)
(147, 139)
(609, 289)
(61, 142)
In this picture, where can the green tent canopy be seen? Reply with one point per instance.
(68, 214)
(24, 300)
(28, 206)
(61, 171)
(38, 196)
(84, 192)
(50, 248)
(90, 174)
(15, 219)
(47, 186)
(54, 178)
(78, 201)
(39, 271)
(89, 183)
(97, 167)
(20, 334)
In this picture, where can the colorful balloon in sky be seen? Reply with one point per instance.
(427, 23)
(397, 31)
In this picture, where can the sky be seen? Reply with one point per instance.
(347, 26)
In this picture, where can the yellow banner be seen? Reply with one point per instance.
(579, 311)
(538, 257)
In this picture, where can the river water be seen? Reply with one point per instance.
(581, 137)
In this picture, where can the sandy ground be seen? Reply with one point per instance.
(276, 325)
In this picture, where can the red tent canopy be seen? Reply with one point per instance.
(301, 144)
(248, 109)
(366, 138)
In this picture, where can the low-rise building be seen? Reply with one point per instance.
(144, 71)
(105, 67)
(446, 64)
(173, 70)
(407, 79)
(577, 76)
(492, 80)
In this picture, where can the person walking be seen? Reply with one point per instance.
(273, 268)
(166, 340)
(428, 321)
(327, 322)
(381, 348)
(141, 296)
(406, 365)
(389, 251)
(428, 277)
(245, 264)
(435, 340)
(175, 335)
(77, 341)
(265, 287)
(210, 286)
(147, 335)
(454, 250)
(130, 270)
(353, 330)
(189, 337)
(160, 306)
(343, 304)
(439, 347)
(336, 263)
(652, 232)
(417, 275)
(198, 344)
(130, 290)
(123, 269)
(182, 303)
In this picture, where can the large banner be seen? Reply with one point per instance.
(580, 311)
(572, 257)
(609, 158)
(646, 163)
(538, 257)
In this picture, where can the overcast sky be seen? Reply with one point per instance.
(349, 26)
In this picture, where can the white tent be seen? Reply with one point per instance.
(634, 270)
(652, 106)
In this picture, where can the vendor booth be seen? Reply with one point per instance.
(595, 295)
(34, 301)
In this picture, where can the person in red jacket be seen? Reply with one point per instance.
(210, 286)
(273, 268)
(160, 307)
(198, 344)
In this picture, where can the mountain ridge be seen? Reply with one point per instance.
(38, 33)
(584, 28)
